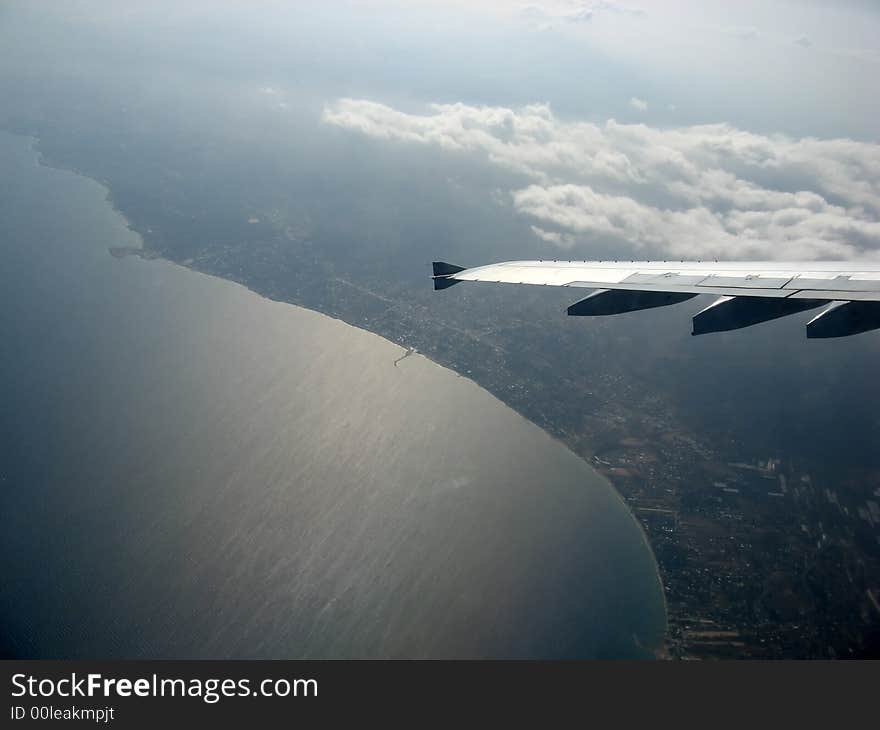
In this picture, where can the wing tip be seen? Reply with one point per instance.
(441, 268)
(443, 273)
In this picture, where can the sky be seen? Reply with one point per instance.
(669, 129)
(733, 131)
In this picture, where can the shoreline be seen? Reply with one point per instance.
(143, 252)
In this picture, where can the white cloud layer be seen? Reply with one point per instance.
(708, 191)
(574, 11)
(743, 32)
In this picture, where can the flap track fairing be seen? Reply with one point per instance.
(617, 301)
(733, 313)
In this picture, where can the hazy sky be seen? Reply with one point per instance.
(677, 128)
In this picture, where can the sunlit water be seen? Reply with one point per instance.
(189, 470)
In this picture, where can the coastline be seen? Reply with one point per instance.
(141, 251)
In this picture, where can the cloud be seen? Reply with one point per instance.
(580, 15)
(803, 42)
(614, 8)
(563, 240)
(556, 12)
(869, 55)
(706, 191)
(638, 104)
(744, 32)
(533, 12)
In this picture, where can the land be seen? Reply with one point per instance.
(762, 554)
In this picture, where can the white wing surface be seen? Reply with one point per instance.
(748, 292)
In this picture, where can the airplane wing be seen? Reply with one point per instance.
(748, 292)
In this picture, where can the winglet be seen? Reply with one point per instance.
(442, 272)
(441, 268)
